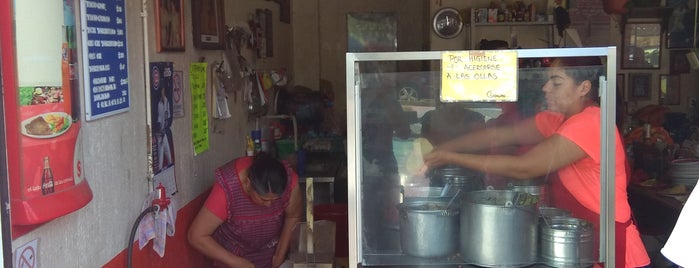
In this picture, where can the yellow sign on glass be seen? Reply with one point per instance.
(479, 76)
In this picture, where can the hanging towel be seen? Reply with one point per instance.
(157, 225)
(680, 247)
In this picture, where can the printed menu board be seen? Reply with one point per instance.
(104, 52)
(479, 76)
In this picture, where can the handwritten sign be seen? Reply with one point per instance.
(104, 52)
(200, 116)
(479, 76)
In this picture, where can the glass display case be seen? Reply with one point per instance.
(404, 214)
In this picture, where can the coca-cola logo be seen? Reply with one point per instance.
(156, 77)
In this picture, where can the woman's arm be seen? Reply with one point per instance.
(199, 236)
(552, 154)
(521, 133)
(292, 215)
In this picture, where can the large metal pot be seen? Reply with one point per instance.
(428, 228)
(499, 228)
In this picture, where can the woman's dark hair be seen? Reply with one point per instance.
(267, 174)
(581, 69)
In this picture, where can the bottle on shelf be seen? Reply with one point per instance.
(250, 148)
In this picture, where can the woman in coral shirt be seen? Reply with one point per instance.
(566, 141)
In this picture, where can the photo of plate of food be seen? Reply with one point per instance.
(45, 126)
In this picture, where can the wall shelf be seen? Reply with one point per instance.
(474, 37)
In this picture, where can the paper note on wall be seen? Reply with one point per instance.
(479, 76)
(200, 116)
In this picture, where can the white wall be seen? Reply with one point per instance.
(116, 147)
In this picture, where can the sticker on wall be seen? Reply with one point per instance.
(177, 94)
(25, 255)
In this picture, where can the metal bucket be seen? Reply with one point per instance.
(499, 228)
(429, 229)
(567, 242)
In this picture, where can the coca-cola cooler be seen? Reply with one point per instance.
(44, 148)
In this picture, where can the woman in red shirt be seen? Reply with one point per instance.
(566, 141)
(250, 213)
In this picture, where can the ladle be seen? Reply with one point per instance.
(452, 199)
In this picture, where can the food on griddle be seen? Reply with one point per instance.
(38, 126)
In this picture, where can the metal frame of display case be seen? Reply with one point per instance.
(607, 107)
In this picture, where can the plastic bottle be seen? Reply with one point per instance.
(250, 148)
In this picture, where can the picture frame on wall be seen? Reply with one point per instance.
(641, 48)
(208, 24)
(639, 86)
(678, 62)
(169, 26)
(680, 24)
(669, 90)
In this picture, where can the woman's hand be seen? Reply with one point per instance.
(437, 158)
(277, 260)
(244, 263)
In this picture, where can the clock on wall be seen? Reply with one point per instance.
(447, 23)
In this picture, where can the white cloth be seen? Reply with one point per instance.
(156, 225)
(681, 246)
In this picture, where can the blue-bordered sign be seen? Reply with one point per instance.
(105, 68)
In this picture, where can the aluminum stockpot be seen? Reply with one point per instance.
(428, 228)
(497, 229)
(567, 242)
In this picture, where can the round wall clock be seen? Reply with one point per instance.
(447, 23)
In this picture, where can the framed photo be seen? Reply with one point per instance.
(678, 62)
(639, 86)
(169, 25)
(669, 90)
(641, 47)
(680, 24)
(620, 87)
(208, 24)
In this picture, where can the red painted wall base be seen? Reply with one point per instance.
(178, 252)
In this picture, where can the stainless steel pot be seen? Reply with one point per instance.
(567, 242)
(428, 228)
(498, 228)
